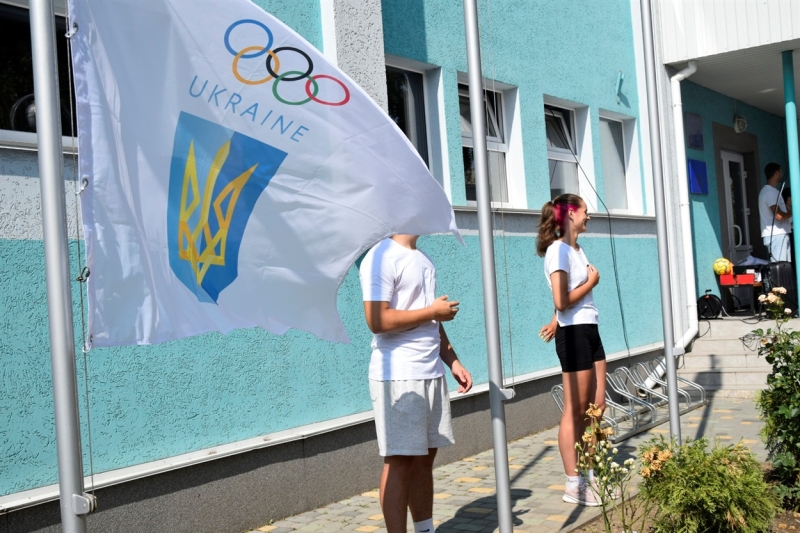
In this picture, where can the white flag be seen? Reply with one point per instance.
(233, 174)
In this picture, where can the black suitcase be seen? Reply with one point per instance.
(781, 274)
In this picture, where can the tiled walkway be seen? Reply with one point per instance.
(465, 500)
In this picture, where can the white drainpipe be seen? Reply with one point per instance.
(685, 206)
(685, 215)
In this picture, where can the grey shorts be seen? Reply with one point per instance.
(411, 415)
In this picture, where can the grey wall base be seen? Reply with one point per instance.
(246, 491)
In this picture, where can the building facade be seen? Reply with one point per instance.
(180, 434)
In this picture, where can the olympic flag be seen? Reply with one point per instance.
(232, 174)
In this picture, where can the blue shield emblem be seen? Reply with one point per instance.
(215, 178)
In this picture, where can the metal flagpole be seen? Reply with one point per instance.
(661, 221)
(74, 503)
(497, 393)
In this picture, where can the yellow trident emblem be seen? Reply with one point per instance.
(199, 245)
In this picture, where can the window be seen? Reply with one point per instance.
(495, 141)
(562, 150)
(614, 163)
(407, 106)
(17, 109)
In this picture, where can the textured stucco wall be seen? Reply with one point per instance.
(568, 50)
(359, 45)
(771, 132)
(152, 402)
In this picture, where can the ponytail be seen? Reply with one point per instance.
(553, 220)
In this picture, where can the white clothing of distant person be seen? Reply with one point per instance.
(774, 232)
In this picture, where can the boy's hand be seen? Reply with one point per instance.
(462, 376)
(444, 310)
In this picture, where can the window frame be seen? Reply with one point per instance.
(566, 117)
(25, 140)
(625, 161)
(634, 188)
(493, 143)
(435, 118)
(425, 113)
(568, 123)
(581, 122)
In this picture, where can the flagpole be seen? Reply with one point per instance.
(497, 393)
(661, 221)
(74, 503)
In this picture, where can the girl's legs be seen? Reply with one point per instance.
(580, 388)
(600, 384)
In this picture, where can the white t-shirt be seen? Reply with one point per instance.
(768, 197)
(561, 256)
(406, 279)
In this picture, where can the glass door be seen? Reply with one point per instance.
(738, 213)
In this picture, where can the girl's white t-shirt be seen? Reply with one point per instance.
(562, 256)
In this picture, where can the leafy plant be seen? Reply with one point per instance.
(779, 403)
(696, 491)
(611, 480)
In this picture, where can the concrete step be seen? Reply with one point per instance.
(727, 378)
(720, 346)
(695, 361)
(734, 328)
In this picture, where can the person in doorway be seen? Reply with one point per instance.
(406, 375)
(574, 326)
(776, 217)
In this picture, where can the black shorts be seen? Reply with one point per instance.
(579, 347)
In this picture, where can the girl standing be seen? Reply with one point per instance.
(574, 326)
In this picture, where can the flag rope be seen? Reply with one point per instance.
(80, 186)
(502, 212)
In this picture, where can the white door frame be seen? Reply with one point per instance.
(739, 245)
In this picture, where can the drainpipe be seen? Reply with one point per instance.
(685, 219)
(685, 216)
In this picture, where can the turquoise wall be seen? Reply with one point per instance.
(151, 402)
(303, 16)
(569, 50)
(706, 225)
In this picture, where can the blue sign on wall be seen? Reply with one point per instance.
(698, 178)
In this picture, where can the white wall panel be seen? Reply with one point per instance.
(692, 29)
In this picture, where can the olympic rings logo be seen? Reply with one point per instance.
(273, 64)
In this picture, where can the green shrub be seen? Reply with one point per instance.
(696, 491)
(779, 404)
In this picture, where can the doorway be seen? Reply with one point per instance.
(737, 210)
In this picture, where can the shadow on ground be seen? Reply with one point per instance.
(484, 509)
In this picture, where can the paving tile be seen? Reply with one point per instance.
(465, 501)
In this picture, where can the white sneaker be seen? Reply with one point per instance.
(595, 489)
(580, 493)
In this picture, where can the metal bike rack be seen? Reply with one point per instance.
(637, 408)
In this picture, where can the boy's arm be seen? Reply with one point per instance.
(448, 355)
(382, 319)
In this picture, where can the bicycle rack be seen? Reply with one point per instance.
(637, 407)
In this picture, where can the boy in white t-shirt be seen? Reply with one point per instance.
(406, 375)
